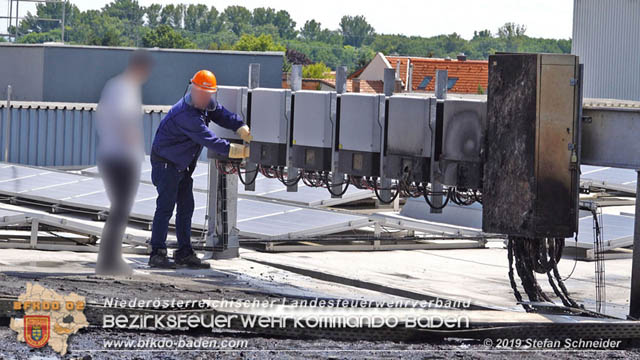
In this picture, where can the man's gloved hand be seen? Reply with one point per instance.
(238, 151)
(245, 133)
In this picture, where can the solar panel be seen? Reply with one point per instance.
(53, 179)
(467, 216)
(617, 231)
(300, 222)
(609, 175)
(83, 185)
(256, 218)
(267, 189)
(8, 216)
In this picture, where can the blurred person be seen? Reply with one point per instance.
(177, 145)
(120, 153)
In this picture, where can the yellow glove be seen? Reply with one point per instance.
(245, 133)
(238, 151)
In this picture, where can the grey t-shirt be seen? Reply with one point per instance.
(119, 120)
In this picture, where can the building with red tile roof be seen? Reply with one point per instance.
(465, 76)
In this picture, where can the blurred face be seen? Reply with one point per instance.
(141, 73)
(200, 98)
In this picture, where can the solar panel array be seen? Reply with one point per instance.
(617, 231)
(622, 179)
(256, 218)
(267, 189)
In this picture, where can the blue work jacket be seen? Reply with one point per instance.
(184, 131)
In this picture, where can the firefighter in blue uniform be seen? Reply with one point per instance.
(178, 142)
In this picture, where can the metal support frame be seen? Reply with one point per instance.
(33, 220)
(389, 86)
(371, 245)
(292, 172)
(222, 230)
(251, 168)
(442, 78)
(7, 126)
(337, 178)
(634, 301)
(609, 138)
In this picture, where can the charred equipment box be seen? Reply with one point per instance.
(530, 180)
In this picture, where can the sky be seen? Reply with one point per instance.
(543, 18)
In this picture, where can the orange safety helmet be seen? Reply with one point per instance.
(205, 80)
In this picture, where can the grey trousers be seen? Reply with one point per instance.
(121, 178)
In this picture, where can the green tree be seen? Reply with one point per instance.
(356, 30)
(95, 28)
(50, 11)
(172, 15)
(195, 17)
(260, 43)
(40, 37)
(482, 34)
(164, 36)
(237, 19)
(263, 16)
(129, 11)
(285, 24)
(311, 30)
(512, 34)
(315, 71)
(131, 14)
(153, 15)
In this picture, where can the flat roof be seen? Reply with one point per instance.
(221, 52)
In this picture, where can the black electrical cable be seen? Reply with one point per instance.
(512, 280)
(330, 186)
(539, 255)
(287, 182)
(446, 201)
(575, 260)
(310, 182)
(393, 198)
(243, 181)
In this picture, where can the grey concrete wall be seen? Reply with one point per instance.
(22, 68)
(78, 73)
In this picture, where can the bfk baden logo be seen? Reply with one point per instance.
(49, 318)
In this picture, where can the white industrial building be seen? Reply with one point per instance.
(606, 36)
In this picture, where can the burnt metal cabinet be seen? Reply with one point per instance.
(530, 184)
(458, 153)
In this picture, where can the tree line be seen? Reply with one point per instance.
(354, 43)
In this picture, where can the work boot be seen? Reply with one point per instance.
(161, 260)
(191, 261)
